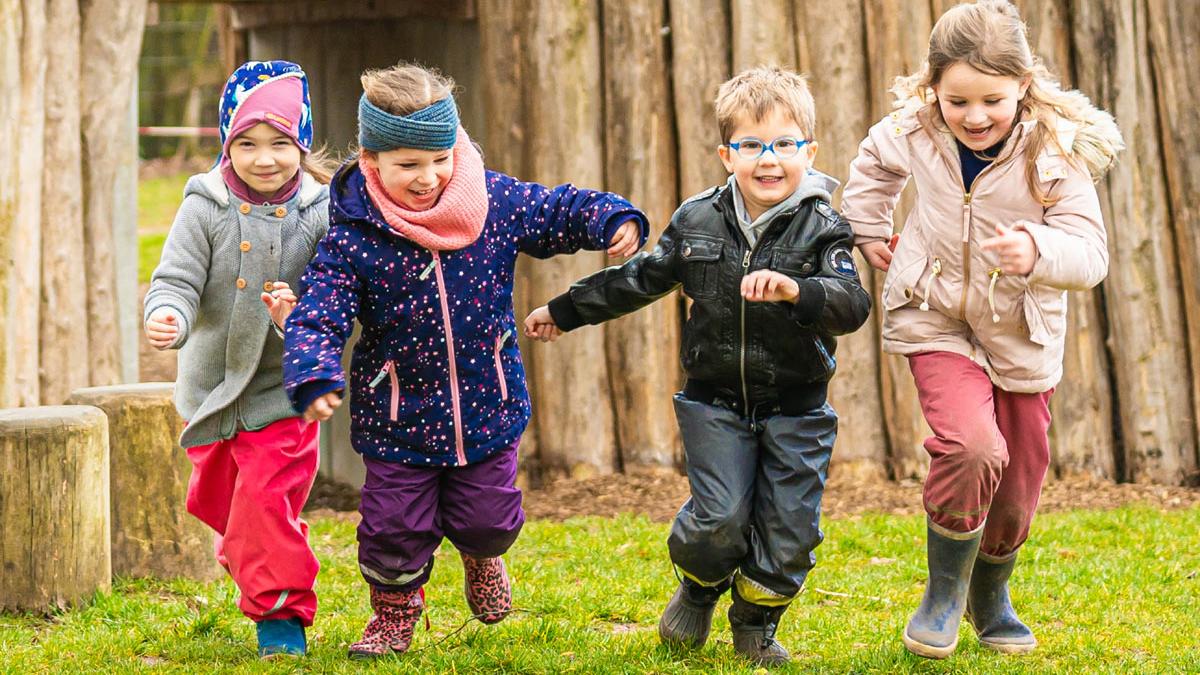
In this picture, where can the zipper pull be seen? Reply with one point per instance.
(387, 366)
(937, 269)
(995, 274)
(429, 268)
(746, 261)
(504, 338)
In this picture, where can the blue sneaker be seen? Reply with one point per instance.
(281, 637)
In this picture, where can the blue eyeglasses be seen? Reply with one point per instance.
(784, 147)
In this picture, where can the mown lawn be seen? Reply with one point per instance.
(1113, 591)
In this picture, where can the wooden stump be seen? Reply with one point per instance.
(54, 546)
(152, 532)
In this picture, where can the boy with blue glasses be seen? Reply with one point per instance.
(767, 263)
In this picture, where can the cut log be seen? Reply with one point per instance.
(152, 533)
(54, 495)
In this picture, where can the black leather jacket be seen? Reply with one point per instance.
(754, 357)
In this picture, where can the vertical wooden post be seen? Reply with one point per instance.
(570, 385)
(897, 39)
(64, 335)
(832, 54)
(110, 42)
(1143, 290)
(764, 33)
(640, 164)
(700, 62)
(1175, 52)
(54, 495)
(10, 78)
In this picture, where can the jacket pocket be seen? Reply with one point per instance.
(701, 260)
(794, 262)
(1045, 311)
(500, 364)
(389, 371)
(900, 284)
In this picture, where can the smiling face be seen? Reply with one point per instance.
(979, 108)
(768, 180)
(415, 179)
(265, 158)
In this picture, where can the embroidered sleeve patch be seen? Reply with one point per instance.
(842, 262)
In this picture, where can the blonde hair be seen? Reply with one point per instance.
(755, 92)
(319, 164)
(405, 88)
(989, 36)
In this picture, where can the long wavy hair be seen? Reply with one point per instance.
(990, 37)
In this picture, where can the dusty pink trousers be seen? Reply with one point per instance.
(988, 453)
(250, 489)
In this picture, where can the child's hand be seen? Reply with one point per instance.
(879, 254)
(1016, 249)
(625, 241)
(280, 303)
(322, 408)
(539, 325)
(162, 328)
(769, 286)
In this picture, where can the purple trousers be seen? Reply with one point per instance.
(406, 510)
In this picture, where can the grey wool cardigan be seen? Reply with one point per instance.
(218, 256)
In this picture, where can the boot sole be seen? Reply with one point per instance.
(1008, 647)
(928, 651)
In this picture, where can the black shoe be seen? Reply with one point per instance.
(754, 629)
(688, 617)
(991, 612)
(932, 631)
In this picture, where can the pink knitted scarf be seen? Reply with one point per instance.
(458, 216)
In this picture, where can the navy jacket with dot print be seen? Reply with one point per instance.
(436, 377)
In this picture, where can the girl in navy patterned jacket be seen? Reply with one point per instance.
(421, 249)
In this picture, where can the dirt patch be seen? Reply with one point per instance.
(659, 495)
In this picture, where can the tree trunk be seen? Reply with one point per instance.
(697, 71)
(1174, 50)
(832, 46)
(890, 27)
(110, 43)
(643, 357)
(53, 507)
(152, 533)
(10, 78)
(505, 97)
(26, 283)
(569, 382)
(1143, 290)
(1081, 436)
(764, 32)
(64, 334)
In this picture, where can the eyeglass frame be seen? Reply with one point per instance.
(736, 146)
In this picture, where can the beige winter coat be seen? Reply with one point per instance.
(945, 293)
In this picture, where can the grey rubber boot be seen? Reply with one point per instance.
(990, 610)
(687, 619)
(933, 631)
(754, 629)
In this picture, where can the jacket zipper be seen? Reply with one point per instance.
(500, 366)
(454, 394)
(389, 369)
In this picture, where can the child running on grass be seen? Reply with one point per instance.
(421, 250)
(1006, 221)
(241, 239)
(767, 263)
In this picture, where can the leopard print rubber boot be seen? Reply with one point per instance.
(390, 629)
(488, 592)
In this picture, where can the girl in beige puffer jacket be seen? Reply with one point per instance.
(1006, 221)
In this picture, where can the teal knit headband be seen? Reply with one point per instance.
(431, 128)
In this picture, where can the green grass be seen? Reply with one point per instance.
(1115, 591)
(158, 199)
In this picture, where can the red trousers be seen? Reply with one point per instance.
(250, 489)
(988, 453)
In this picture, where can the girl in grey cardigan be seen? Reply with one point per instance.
(242, 237)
